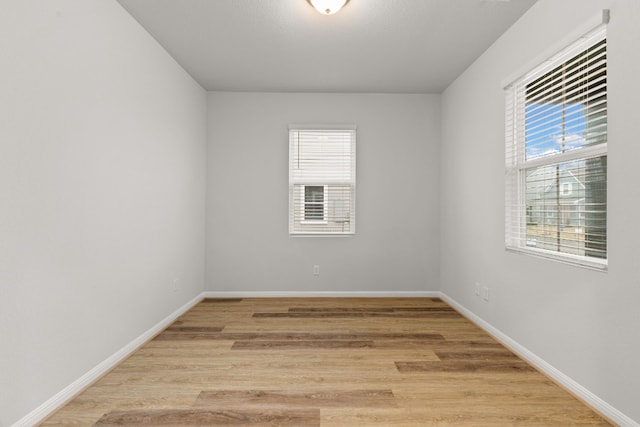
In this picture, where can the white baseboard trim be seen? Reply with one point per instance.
(565, 381)
(321, 294)
(65, 395)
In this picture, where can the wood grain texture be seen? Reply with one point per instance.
(289, 399)
(200, 417)
(324, 362)
(463, 366)
(181, 333)
(297, 345)
(410, 314)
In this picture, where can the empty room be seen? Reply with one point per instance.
(319, 213)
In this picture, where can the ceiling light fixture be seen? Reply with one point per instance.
(327, 7)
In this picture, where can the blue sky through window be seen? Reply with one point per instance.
(544, 128)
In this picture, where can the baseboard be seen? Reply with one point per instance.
(61, 398)
(321, 294)
(562, 379)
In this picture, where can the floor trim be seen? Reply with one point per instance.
(596, 403)
(72, 390)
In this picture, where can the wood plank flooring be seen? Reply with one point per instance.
(324, 362)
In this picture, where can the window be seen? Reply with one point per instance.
(556, 156)
(315, 203)
(322, 181)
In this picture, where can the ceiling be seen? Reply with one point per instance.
(395, 46)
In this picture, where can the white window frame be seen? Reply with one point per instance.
(517, 165)
(345, 225)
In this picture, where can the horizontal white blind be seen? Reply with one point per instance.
(322, 181)
(556, 156)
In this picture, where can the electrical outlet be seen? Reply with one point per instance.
(176, 285)
(316, 270)
(477, 290)
(485, 293)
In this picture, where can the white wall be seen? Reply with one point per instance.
(584, 323)
(102, 175)
(396, 243)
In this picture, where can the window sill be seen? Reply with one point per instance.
(575, 260)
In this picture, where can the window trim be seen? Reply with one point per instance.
(516, 213)
(350, 217)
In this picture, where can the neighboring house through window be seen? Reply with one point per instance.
(556, 156)
(322, 180)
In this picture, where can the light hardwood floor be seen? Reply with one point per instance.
(324, 362)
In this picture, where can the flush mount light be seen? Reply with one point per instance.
(327, 7)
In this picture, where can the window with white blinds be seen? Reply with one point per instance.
(556, 156)
(322, 181)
